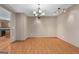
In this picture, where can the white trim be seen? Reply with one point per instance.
(62, 38)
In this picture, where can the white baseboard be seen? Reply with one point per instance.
(62, 38)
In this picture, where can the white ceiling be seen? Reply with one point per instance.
(49, 9)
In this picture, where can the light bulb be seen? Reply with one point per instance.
(40, 11)
(34, 12)
(43, 14)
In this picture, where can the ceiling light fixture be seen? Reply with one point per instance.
(39, 12)
(59, 11)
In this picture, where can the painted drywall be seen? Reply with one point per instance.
(21, 26)
(43, 27)
(68, 26)
(13, 27)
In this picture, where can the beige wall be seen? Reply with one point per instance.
(45, 28)
(68, 26)
(21, 26)
(13, 27)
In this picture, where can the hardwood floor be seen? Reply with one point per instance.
(4, 44)
(42, 46)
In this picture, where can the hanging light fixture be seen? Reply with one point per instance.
(39, 12)
(60, 10)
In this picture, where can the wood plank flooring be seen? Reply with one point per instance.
(43, 46)
(4, 44)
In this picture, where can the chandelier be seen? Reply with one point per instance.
(60, 11)
(39, 12)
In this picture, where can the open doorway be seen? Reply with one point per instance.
(5, 28)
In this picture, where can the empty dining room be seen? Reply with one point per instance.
(39, 28)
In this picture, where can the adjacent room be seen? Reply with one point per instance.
(39, 28)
